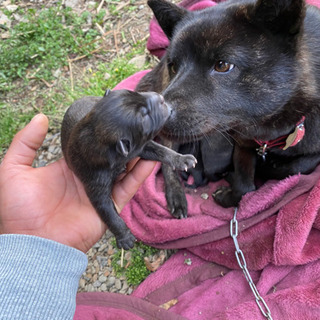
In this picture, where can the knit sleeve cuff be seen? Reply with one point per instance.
(38, 278)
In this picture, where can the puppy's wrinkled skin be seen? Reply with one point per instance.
(247, 68)
(100, 135)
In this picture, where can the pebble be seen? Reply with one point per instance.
(102, 278)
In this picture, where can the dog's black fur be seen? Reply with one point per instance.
(248, 68)
(100, 135)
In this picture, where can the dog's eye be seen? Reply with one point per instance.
(223, 66)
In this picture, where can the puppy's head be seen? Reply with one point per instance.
(230, 66)
(126, 120)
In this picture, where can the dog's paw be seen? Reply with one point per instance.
(225, 197)
(126, 240)
(177, 203)
(185, 162)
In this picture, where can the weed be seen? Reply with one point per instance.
(136, 270)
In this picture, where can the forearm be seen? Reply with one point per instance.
(38, 278)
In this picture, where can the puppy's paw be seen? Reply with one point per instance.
(177, 203)
(126, 240)
(185, 162)
(225, 197)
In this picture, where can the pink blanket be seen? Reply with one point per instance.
(279, 236)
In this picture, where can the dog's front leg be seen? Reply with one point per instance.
(171, 160)
(242, 180)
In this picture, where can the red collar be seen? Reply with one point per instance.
(283, 142)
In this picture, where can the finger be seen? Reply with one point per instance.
(129, 167)
(125, 189)
(27, 141)
(131, 164)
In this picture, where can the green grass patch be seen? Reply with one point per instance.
(136, 271)
(44, 43)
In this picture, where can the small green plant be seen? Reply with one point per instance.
(136, 270)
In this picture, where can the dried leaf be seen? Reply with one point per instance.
(169, 304)
(153, 266)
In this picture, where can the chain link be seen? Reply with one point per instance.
(243, 265)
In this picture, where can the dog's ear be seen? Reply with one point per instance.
(123, 147)
(167, 15)
(280, 16)
(107, 92)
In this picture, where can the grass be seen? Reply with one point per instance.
(94, 82)
(42, 44)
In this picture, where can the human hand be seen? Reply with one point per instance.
(50, 202)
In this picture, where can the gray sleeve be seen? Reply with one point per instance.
(38, 278)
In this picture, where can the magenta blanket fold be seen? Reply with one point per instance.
(279, 235)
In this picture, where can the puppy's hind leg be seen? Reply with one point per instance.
(99, 193)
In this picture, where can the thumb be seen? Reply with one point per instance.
(26, 142)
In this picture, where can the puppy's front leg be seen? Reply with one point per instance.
(175, 196)
(155, 151)
(243, 178)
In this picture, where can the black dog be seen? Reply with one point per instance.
(98, 138)
(248, 68)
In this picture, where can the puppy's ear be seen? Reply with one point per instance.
(107, 92)
(280, 16)
(123, 147)
(167, 15)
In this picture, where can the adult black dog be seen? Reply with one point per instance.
(100, 135)
(248, 68)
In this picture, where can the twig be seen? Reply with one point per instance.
(100, 30)
(122, 257)
(71, 75)
(128, 21)
(100, 6)
(81, 57)
(121, 6)
(47, 83)
(132, 36)
(97, 39)
(145, 37)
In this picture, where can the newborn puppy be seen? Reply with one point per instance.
(100, 135)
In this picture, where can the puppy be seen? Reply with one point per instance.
(100, 135)
(250, 69)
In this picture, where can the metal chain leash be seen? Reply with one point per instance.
(243, 265)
